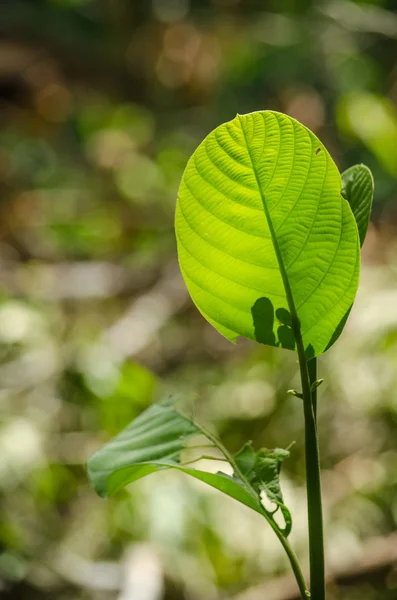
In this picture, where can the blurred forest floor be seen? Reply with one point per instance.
(101, 104)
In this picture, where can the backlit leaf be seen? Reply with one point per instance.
(264, 233)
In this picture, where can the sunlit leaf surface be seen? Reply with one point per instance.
(263, 231)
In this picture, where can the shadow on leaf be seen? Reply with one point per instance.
(263, 315)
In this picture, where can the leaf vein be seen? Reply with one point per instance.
(210, 243)
(217, 217)
(212, 270)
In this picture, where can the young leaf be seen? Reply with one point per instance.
(266, 472)
(154, 441)
(262, 470)
(358, 189)
(264, 235)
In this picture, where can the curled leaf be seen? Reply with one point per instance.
(358, 189)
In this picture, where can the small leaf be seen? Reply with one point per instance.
(155, 441)
(265, 238)
(358, 189)
(262, 469)
(267, 470)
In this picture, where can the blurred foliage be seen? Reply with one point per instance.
(102, 103)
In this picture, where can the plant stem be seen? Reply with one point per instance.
(313, 483)
(294, 563)
(312, 367)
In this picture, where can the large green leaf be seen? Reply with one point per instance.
(155, 441)
(358, 189)
(264, 233)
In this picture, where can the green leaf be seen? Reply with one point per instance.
(266, 472)
(155, 441)
(358, 189)
(262, 470)
(152, 442)
(264, 234)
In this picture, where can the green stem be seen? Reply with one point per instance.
(293, 562)
(313, 482)
(312, 367)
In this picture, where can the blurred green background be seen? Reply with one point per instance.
(101, 104)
